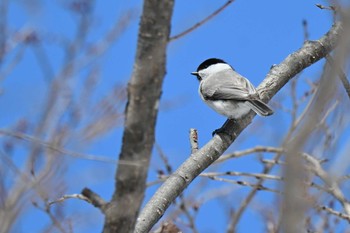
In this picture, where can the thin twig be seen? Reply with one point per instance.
(5, 72)
(86, 195)
(236, 217)
(334, 212)
(306, 31)
(330, 8)
(293, 90)
(245, 183)
(69, 196)
(341, 74)
(164, 158)
(50, 146)
(257, 149)
(267, 168)
(159, 181)
(57, 223)
(345, 177)
(334, 189)
(273, 161)
(194, 140)
(200, 23)
(190, 218)
(183, 204)
(261, 187)
(232, 173)
(322, 7)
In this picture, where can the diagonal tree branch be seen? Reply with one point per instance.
(144, 90)
(200, 23)
(51, 146)
(341, 74)
(278, 76)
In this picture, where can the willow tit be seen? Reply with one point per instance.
(227, 92)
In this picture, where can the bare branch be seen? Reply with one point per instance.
(331, 183)
(194, 140)
(278, 76)
(60, 150)
(257, 149)
(233, 173)
(165, 160)
(86, 195)
(200, 23)
(3, 27)
(334, 212)
(235, 218)
(55, 221)
(305, 29)
(69, 196)
(322, 7)
(341, 74)
(245, 183)
(273, 161)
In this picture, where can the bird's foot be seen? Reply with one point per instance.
(221, 130)
(225, 129)
(218, 131)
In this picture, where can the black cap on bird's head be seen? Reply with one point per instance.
(207, 63)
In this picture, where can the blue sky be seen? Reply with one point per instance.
(250, 35)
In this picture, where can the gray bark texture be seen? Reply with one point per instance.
(279, 75)
(144, 91)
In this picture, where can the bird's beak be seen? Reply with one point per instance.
(194, 73)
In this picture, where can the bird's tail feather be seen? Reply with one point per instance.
(260, 107)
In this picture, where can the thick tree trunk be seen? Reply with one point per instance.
(144, 92)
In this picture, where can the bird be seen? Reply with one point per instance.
(227, 92)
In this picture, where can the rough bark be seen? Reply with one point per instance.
(278, 76)
(144, 90)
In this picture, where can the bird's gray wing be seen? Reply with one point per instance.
(227, 85)
(228, 93)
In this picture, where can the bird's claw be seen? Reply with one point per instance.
(225, 129)
(220, 131)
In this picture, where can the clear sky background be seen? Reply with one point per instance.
(251, 35)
